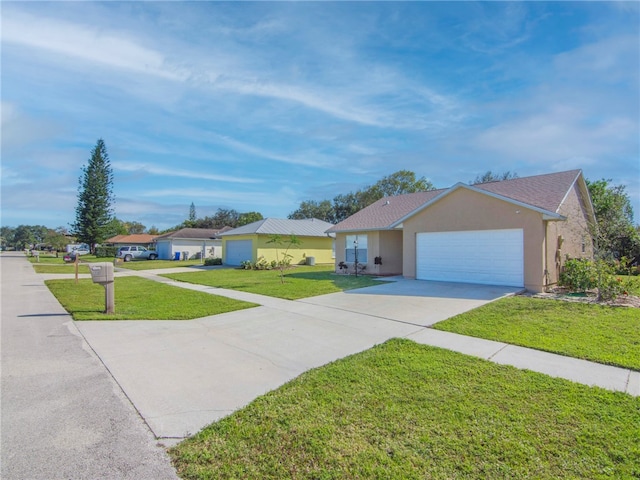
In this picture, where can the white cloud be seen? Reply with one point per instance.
(88, 43)
(179, 172)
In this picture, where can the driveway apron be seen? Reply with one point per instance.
(183, 375)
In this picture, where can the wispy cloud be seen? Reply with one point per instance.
(177, 172)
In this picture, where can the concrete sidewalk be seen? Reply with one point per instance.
(183, 375)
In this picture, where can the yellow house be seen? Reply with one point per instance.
(254, 241)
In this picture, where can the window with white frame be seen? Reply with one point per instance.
(356, 243)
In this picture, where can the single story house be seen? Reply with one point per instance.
(139, 239)
(514, 232)
(251, 242)
(190, 243)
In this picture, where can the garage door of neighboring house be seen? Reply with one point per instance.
(164, 250)
(237, 251)
(492, 257)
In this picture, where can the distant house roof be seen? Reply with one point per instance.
(137, 238)
(544, 193)
(194, 233)
(311, 227)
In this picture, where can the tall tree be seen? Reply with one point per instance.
(345, 205)
(225, 217)
(313, 209)
(398, 183)
(489, 176)
(249, 217)
(614, 233)
(192, 213)
(134, 227)
(95, 198)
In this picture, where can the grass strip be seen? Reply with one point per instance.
(300, 282)
(603, 334)
(68, 269)
(139, 299)
(408, 411)
(157, 264)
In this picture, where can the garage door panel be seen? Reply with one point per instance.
(238, 251)
(482, 256)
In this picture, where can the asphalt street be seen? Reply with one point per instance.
(62, 414)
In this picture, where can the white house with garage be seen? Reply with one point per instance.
(190, 243)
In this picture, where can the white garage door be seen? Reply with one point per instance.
(237, 251)
(492, 257)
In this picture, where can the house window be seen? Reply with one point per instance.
(350, 251)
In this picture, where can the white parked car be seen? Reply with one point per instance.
(128, 253)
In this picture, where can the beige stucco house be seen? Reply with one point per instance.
(514, 232)
(252, 241)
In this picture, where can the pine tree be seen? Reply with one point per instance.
(192, 213)
(95, 198)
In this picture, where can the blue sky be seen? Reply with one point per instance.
(258, 106)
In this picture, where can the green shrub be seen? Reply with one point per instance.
(578, 275)
(624, 267)
(104, 252)
(208, 262)
(260, 264)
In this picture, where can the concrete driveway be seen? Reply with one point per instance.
(183, 375)
(414, 301)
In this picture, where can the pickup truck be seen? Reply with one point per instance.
(128, 253)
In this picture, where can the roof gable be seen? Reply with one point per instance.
(542, 193)
(311, 227)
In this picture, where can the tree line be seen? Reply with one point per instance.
(614, 232)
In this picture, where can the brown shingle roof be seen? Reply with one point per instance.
(385, 212)
(195, 233)
(142, 238)
(542, 192)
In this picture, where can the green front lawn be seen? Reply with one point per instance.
(49, 263)
(157, 264)
(300, 282)
(408, 411)
(139, 299)
(603, 334)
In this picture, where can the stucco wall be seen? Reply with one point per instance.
(567, 238)
(321, 248)
(167, 248)
(384, 243)
(468, 210)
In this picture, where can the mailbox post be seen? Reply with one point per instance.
(102, 273)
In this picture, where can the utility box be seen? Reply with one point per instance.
(102, 272)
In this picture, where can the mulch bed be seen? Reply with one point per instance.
(559, 293)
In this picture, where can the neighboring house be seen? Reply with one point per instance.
(251, 242)
(139, 239)
(515, 232)
(190, 243)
